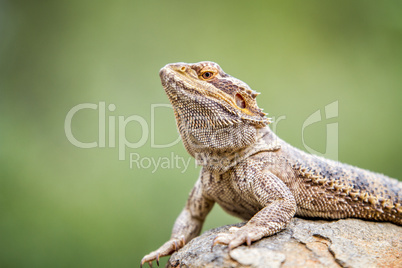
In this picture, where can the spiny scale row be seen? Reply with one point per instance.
(348, 192)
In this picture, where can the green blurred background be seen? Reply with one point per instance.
(63, 206)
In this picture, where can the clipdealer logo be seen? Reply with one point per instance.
(119, 124)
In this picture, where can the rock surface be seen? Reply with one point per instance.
(305, 243)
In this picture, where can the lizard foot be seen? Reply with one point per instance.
(166, 249)
(239, 236)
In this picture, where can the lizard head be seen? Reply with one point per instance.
(207, 84)
(214, 111)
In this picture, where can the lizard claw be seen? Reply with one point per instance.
(149, 263)
(220, 239)
(166, 249)
(183, 241)
(214, 243)
(248, 241)
(237, 237)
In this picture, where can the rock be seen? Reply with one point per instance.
(305, 243)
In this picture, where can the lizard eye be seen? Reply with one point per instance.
(240, 101)
(207, 75)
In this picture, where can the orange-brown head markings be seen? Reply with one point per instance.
(208, 80)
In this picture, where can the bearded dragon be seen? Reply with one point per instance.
(253, 174)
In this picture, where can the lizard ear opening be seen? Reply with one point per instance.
(240, 102)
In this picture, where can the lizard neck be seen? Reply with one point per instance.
(221, 161)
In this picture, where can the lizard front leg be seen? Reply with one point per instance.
(279, 206)
(187, 226)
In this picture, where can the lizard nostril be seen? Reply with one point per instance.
(183, 69)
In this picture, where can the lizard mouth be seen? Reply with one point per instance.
(172, 80)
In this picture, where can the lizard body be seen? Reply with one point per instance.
(253, 174)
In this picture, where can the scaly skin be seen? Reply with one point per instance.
(253, 174)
